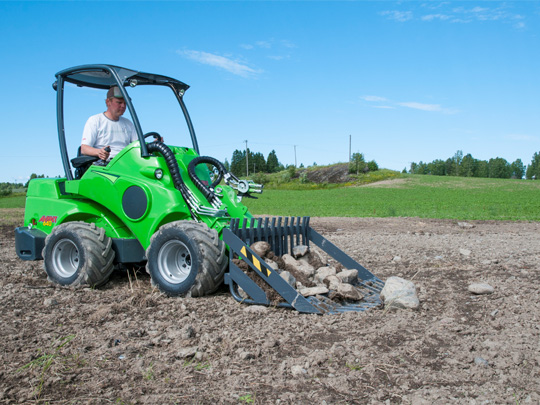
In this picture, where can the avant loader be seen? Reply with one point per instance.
(166, 207)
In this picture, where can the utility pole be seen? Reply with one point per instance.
(247, 160)
(350, 136)
(294, 155)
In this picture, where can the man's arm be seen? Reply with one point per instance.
(91, 151)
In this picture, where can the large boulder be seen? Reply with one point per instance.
(399, 293)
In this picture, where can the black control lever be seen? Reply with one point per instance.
(102, 162)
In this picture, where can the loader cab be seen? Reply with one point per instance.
(103, 77)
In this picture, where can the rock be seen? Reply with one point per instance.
(256, 309)
(479, 361)
(315, 258)
(300, 251)
(261, 248)
(322, 273)
(465, 225)
(396, 259)
(288, 277)
(465, 252)
(188, 332)
(332, 282)
(186, 352)
(298, 370)
(481, 288)
(246, 356)
(49, 302)
(272, 264)
(307, 292)
(289, 260)
(348, 276)
(295, 266)
(348, 292)
(400, 293)
(242, 293)
(306, 270)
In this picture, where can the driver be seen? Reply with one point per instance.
(108, 129)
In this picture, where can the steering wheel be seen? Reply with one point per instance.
(157, 137)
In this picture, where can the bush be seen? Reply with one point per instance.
(303, 177)
(372, 166)
(260, 178)
(292, 171)
(5, 189)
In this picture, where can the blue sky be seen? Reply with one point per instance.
(408, 81)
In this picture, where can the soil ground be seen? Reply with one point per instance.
(125, 343)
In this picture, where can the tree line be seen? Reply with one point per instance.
(256, 163)
(468, 166)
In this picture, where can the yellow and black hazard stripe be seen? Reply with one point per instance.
(256, 262)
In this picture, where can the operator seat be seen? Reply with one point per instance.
(81, 163)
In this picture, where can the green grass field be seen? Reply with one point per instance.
(411, 196)
(13, 201)
(407, 196)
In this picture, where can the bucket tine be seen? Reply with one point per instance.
(283, 234)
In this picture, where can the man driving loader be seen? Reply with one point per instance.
(108, 129)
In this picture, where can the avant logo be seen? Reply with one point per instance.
(48, 220)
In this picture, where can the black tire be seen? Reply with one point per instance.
(186, 258)
(78, 254)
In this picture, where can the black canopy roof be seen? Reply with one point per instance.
(102, 77)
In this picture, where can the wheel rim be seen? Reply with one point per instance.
(65, 257)
(174, 261)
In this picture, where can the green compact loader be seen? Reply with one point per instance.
(166, 207)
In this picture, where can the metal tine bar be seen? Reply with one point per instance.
(252, 231)
(286, 232)
(371, 288)
(297, 231)
(243, 230)
(265, 229)
(273, 235)
(304, 234)
(279, 245)
(259, 231)
(292, 231)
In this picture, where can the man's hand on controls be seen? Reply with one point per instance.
(104, 153)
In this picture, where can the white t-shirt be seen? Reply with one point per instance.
(101, 131)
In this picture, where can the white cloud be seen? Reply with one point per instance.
(431, 17)
(373, 98)
(521, 137)
(427, 107)
(398, 15)
(221, 62)
(421, 106)
(389, 104)
(446, 12)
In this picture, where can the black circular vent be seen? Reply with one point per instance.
(134, 202)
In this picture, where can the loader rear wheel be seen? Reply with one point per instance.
(78, 254)
(186, 258)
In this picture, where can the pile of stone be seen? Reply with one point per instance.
(307, 270)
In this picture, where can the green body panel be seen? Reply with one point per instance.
(100, 197)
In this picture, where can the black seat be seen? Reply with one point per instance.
(81, 163)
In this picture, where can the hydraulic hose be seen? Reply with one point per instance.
(206, 190)
(172, 165)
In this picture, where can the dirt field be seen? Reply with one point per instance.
(125, 343)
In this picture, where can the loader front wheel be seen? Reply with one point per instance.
(186, 258)
(78, 254)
